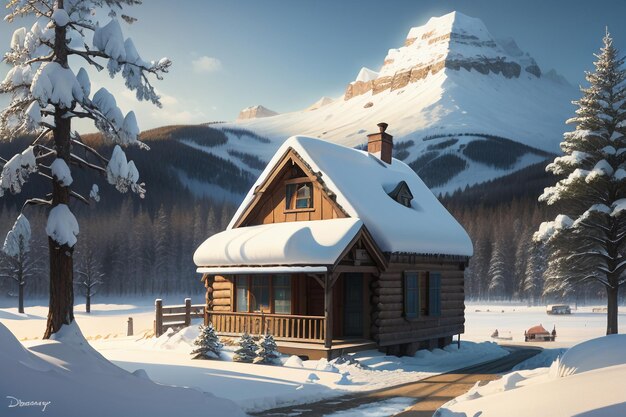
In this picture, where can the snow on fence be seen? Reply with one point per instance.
(175, 316)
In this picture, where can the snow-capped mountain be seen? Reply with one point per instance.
(463, 107)
(254, 112)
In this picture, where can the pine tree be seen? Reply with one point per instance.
(247, 349)
(17, 263)
(267, 352)
(47, 95)
(208, 344)
(533, 283)
(587, 241)
(497, 271)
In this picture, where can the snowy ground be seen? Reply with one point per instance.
(591, 383)
(257, 387)
(482, 319)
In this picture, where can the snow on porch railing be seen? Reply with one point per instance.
(175, 316)
(281, 326)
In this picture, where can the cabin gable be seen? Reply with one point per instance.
(282, 197)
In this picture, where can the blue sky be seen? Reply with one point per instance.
(287, 54)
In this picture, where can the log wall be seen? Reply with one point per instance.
(390, 328)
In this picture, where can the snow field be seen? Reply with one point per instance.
(591, 383)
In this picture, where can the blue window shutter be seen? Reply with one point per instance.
(411, 299)
(434, 296)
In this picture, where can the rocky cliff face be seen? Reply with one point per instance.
(255, 112)
(453, 41)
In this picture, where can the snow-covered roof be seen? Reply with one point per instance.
(359, 181)
(295, 243)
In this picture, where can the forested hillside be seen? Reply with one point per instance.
(147, 245)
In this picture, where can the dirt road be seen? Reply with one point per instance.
(429, 393)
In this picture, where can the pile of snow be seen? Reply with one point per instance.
(54, 84)
(66, 377)
(62, 226)
(596, 368)
(16, 170)
(298, 243)
(594, 354)
(61, 172)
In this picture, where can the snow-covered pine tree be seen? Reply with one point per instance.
(500, 271)
(267, 351)
(208, 344)
(247, 349)
(89, 272)
(46, 95)
(587, 240)
(17, 262)
(533, 282)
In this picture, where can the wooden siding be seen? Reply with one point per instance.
(388, 324)
(271, 206)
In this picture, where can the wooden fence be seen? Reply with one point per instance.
(281, 326)
(175, 316)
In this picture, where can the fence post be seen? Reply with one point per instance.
(158, 327)
(187, 311)
(262, 323)
(129, 331)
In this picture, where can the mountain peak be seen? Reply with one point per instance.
(454, 22)
(254, 112)
(453, 42)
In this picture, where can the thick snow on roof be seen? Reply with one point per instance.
(296, 243)
(359, 181)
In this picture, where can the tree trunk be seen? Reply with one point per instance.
(61, 310)
(20, 307)
(88, 301)
(611, 316)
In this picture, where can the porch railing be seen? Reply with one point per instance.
(282, 327)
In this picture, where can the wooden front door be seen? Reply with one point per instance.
(353, 305)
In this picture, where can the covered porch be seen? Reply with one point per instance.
(307, 283)
(311, 314)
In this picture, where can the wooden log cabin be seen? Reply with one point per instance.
(335, 250)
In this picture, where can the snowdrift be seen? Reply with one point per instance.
(594, 354)
(67, 377)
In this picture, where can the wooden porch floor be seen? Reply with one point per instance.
(317, 350)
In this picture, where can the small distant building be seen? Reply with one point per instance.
(558, 309)
(335, 250)
(540, 334)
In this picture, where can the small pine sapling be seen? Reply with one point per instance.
(247, 349)
(208, 344)
(267, 353)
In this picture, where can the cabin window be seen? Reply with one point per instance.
(422, 294)
(259, 293)
(282, 294)
(434, 294)
(410, 295)
(242, 293)
(299, 196)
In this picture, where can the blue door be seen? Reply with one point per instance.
(353, 305)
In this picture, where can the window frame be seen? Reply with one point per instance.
(426, 294)
(291, 197)
(271, 293)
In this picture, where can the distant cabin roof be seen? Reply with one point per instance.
(361, 183)
(295, 243)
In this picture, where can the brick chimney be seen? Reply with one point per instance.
(381, 144)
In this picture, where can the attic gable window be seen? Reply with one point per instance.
(299, 195)
(402, 194)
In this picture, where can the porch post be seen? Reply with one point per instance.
(328, 311)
